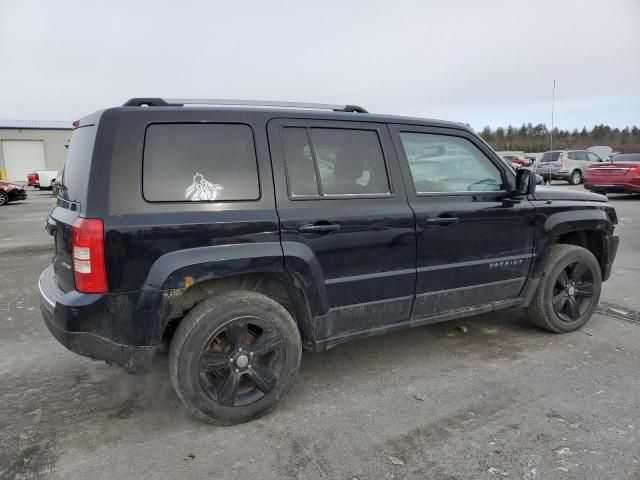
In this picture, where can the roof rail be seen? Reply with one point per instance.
(180, 102)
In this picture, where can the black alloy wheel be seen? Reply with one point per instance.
(573, 291)
(568, 290)
(241, 362)
(234, 356)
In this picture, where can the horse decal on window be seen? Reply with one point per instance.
(202, 189)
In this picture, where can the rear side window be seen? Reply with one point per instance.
(334, 162)
(199, 163)
(550, 157)
(75, 174)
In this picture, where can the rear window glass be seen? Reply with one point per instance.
(333, 161)
(627, 157)
(75, 173)
(199, 163)
(550, 157)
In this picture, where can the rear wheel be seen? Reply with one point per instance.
(568, 291)
(234, 356)
(4, 198)
(576, 177)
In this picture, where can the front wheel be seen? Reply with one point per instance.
(234, 356)
(568, 291)
(576, 178)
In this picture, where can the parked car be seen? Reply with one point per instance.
(31, 179)
(230, 243)
(610, 156)
(518, 161)
(620, 175)
(602, 151)
(569, 165)
(45, 178)
(10, 192)
(539, 178)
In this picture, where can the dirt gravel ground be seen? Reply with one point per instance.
(502, 399)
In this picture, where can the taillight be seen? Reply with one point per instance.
(87, 242)
(76, 124)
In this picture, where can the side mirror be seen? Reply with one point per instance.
(525, 182)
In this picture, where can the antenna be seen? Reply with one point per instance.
(553, 101)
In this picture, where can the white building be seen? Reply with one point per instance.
(27, 145)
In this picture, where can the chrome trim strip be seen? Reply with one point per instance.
(42, 294)
(368, 276)
(475, 262)
(252, 103)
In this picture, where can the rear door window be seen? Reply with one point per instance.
(199, 163)
(334, 162)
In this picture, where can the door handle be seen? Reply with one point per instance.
(444, 221)
(319, 228)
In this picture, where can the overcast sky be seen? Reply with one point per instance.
(482, 62)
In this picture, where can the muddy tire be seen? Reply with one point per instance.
(569, 289)
(234, 356)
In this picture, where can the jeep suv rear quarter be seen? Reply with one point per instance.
(242, 235)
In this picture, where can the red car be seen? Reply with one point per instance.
(10, 192)
(620, 175)
(518, 161)
(31, 179)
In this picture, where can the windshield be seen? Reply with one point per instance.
(550, 157)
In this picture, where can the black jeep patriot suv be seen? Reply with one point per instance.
(241, 232)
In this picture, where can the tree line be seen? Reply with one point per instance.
(536, 138)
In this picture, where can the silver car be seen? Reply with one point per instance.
(569, 165)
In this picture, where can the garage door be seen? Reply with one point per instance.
(22, 157)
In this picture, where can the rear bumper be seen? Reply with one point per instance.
(102, 327)
(17, 195)
(131, 359)
(557, 175)
(612, 187)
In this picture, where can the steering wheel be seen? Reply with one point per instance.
(484, 182)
